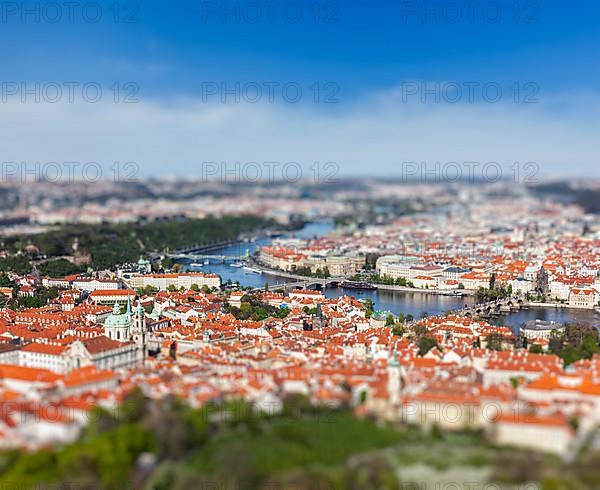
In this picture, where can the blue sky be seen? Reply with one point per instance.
(370, 55)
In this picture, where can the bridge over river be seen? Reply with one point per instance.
(307, 283)
(213, 258)
(494, 308)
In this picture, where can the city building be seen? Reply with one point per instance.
(541, 329)
(395, 266)
(581, 297)
(183, 280)
(88, 284)
(111, 296)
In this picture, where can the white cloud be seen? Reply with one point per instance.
(370, 136)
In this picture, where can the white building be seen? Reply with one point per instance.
(454, 273)
(425, 270)
(560, 288)
(395, 266)
(87, 284)
(521, 285)
(100, 352)
(536, 329)
(112, 296)
(60, 283)
(581, 297)
(551, 434)
(183, 280)
(301, 294)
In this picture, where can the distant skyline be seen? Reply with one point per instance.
(367, 65)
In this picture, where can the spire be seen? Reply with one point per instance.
(128, 306)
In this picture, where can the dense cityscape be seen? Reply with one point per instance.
(77, 338)
(299, 245)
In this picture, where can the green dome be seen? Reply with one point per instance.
(116, 319)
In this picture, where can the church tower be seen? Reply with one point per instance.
(138, 329)
(318, 319)
(394, 382)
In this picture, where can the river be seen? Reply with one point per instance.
(413, 303)
(251, 279)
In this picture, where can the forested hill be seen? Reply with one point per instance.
(112, 244)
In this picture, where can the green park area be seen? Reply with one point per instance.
(168, 445)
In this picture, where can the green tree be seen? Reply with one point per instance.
(246, 310)
(495, 341)
(426, 344)
(589, 346)
(369, 308)
(535, 349)
(569, 355)
(112, 244)
(5, 281)
(59, 268)
(371, 472)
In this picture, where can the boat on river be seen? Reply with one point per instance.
(357, 285)
(454, 294)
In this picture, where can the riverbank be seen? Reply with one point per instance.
(561, 306)
(396, 299)
(418, 302)
(439, 292)
(548, 305)
(384, 287)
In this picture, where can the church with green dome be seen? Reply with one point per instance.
(126, 327)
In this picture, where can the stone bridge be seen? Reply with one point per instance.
(494, 308)
(308, 283)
